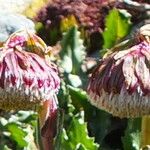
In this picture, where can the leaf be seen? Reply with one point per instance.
(30, 139)
(77, 134)
(117, 26)
(4, 147)
(73, 51)
(99, 122)
(80, 147)
(28, 117)
(17, 134)
(74, 80)
(80, 100)
(131, 140)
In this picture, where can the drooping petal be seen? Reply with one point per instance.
(143, 75)
(129, 74)
(26, 79)
(106, 74)
(122, 87)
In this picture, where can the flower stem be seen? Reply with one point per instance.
(43, 143)
(38, 136)
(47, 143)
(145, 132)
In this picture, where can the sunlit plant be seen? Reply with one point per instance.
(28, 81)
(120, 82)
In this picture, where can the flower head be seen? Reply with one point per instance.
(121, 82)
(26, 78)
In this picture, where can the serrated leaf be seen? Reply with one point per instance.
(117, 26)
(98, 121)
(80, 147)
(131, 140)
(73, 51)
(78, 134)
(80, 100)
(17, 134)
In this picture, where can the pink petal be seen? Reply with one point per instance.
(143, 74)
(129, 73)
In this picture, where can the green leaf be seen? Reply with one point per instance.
(73, 51)
(77, 134)
(31, 145)
(4, 147)
(98, 121)
(117, 26)
(28, 117)
(17, 134)
(131, 140)
(74, 80)
(80, 147)
(80, 100)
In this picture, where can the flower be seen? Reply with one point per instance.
(28, 80)
(25, 79)
(120, 84)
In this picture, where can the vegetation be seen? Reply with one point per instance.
(80, 126)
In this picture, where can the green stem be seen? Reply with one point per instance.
(38, 136)
(59, 129)
(145, 132)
